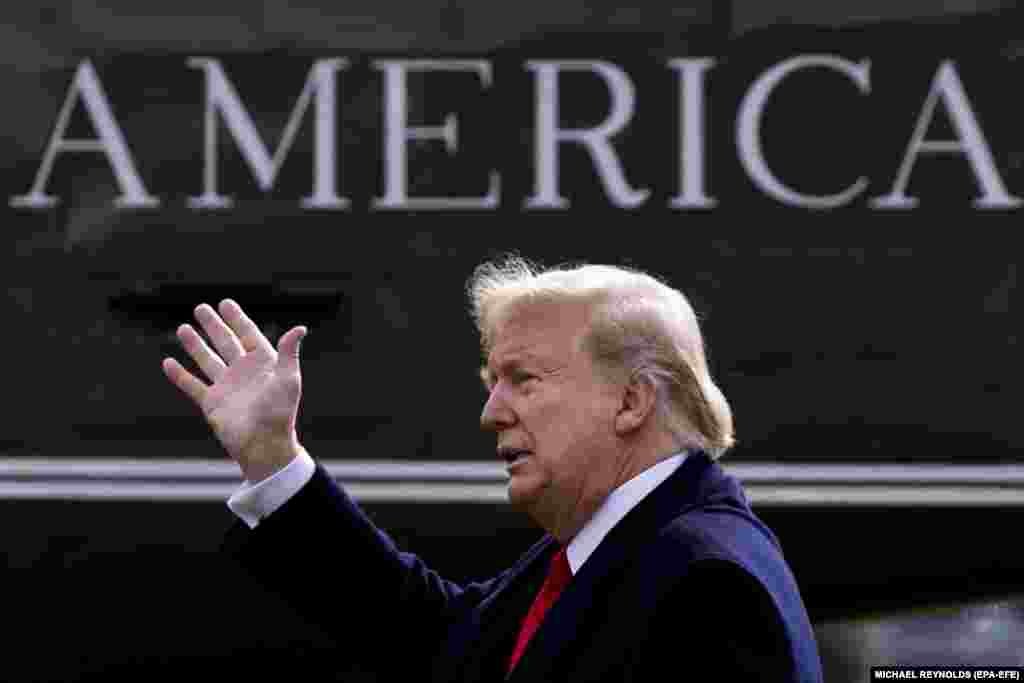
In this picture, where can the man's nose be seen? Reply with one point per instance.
(496, 414)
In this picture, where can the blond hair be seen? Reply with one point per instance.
(639, 328)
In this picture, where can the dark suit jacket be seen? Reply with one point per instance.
(690, 585)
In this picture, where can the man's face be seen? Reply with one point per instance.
(553, 415)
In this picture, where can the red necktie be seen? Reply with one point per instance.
(559, 574)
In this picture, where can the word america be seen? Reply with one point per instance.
(223, 103)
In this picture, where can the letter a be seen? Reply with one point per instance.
(970, 141)
(110, 142)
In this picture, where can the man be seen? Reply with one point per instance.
(653, 565)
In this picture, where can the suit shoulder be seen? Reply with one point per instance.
(719, 551)
(716, 533)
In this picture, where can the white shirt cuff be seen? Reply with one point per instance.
(253, 502)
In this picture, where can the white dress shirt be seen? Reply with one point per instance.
(618, 503)
(253, 502)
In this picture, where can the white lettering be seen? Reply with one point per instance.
(110, 141)
(970, 141)
(222, 97)
(397, 133)
(691, 134)
(748, 135)
(596, 140)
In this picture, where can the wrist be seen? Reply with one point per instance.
(266, 457)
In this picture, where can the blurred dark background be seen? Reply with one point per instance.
(851, 335)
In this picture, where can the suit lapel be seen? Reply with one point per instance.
(494, 623)
(567, 617)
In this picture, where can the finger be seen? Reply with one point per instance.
(185, 380)
(288, 349)
(248, 334)
(224, 340)
(209, 362)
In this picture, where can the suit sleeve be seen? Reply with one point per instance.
(327, 559)
(725, 624)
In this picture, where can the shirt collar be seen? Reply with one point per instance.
(618, 503)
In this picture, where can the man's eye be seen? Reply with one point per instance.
(521, 377)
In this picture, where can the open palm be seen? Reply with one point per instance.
(253, 399)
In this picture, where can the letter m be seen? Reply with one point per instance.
(222, 98)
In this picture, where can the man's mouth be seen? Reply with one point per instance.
(512, 455)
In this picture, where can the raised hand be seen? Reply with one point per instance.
(253, 399)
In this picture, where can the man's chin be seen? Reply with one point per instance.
(522, 493)
(530, 496)
(518, 499)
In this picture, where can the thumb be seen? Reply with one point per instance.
(288, 348)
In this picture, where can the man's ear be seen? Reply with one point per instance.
(639, 397)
